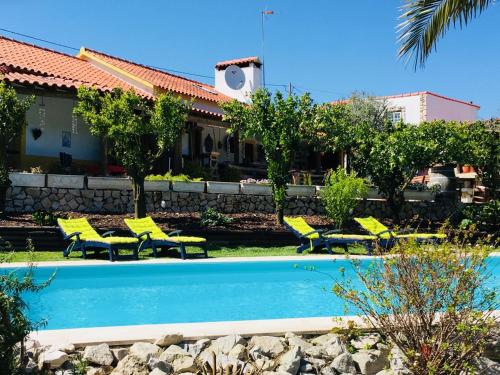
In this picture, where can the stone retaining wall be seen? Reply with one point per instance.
(28, 199)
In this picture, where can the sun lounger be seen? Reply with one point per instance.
(82, 237)
(312, 239)
(389, 237)
(151, 236)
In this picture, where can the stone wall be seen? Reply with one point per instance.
(28, 199)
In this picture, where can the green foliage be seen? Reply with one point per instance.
(14, 324)
(196, 170)
(80, 366)
(169, 177)
(277, 122)
(45, 218)
(12, 121)
(341, 193)
(140, 131)
(435, 303)
(213, 218)
(483, 216)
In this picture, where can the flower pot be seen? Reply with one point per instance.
(300, 190)
(65, 181)
(111, 183)
(157, 185)
(217, 187)
(256, 189)
(189, 187)
(27, 179)
(466, 168)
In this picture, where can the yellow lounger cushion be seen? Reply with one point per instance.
(373, 226)
(147, 224)
(299, 225)
(87, 233)
(354, 237)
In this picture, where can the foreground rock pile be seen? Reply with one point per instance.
(231, 355)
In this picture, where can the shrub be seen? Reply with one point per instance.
(169, 177)
(341, 193)
(432, 302)
(14, 324)
(212, 218)
(484, 216)
(45, 218)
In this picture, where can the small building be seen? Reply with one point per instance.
(54, 131)
(417, 107)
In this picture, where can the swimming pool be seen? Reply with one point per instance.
(135, 294)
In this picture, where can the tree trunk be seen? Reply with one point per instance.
(104, 156)
(139, 197)
(395, 202)
(279, 214)
(4, 177)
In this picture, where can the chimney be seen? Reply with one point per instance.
(238, 78)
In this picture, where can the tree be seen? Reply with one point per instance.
(276, 122)
(12, 121)
(425, 21)
(140, 131)
(434, 303)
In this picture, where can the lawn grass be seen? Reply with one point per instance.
(214, 251)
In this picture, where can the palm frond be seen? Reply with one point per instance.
(426, 21)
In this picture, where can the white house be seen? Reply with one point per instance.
(416, 107)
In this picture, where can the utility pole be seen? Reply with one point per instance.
(290, 89)
(263, 14)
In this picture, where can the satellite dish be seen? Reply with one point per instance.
(235, 78)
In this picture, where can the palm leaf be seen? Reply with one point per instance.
(426, 21)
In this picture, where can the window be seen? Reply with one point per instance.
(395, 116)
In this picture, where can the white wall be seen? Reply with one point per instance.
(444, 109)
(218, 134)
(58, 114)
(410, 106)
(253, 81)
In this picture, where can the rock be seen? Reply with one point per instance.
(99, 355)
(31, 367)
(397, 360)
(95, 371)
(290, 361)
(66, 347)
(344, 364)
(195, 349)
(314, 351)
(306, 367)
(53, 359)
(155, 363)
(298, 341)
(238, 352)
(157, 371)
(333, 347)
(366, 342)
(144, 351)
(131, 365)
(169, 339)
(257, 353)
(119, 353)
(223, 345)
(370, 361)
(269, 345)
(172, 353)
(487, 366)
(184, 364)
(323, 339)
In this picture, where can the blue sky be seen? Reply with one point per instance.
(327, 47)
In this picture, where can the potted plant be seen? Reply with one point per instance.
(256, 187)
(218, 187)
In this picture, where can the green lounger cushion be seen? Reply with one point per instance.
(373, 226)
(147, 224)
(300, 225)
(87, 233)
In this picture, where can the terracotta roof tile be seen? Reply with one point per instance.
(163, 80)
(28, 63)
(242, 61)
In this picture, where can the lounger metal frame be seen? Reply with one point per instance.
(155, 243)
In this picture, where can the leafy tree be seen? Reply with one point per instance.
(425, 21)
(14, 324)
(276, 122)
(341, 193)
(140, 130)
(434, 303)
(12, 120)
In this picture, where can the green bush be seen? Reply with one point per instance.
(435, 303)
(341, 193)
(45, 218)
(169, 177)
(197, 171)
(484, 216)
(213, 218)
(14, 324)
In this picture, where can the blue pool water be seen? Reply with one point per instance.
(115, 295)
